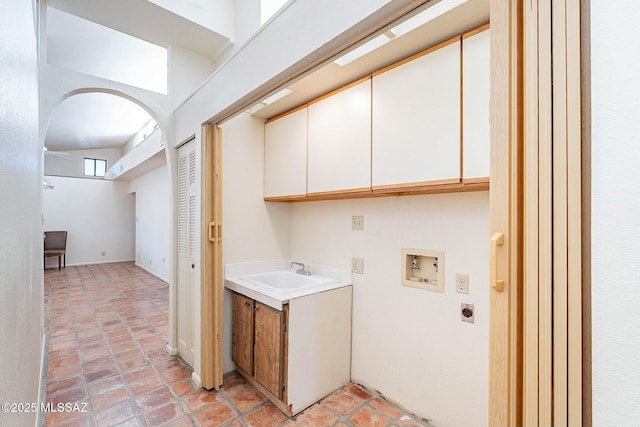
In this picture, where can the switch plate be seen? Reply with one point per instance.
(357, 222)
(466, 313)
(462, 283)
(357, 265)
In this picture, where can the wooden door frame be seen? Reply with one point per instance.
(212, 276)
(539, 323)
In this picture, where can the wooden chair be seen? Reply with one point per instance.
(55, 244)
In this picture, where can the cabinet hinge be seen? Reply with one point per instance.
(284, 386)
(284, 327)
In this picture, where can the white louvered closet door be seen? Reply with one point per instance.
(187, 202)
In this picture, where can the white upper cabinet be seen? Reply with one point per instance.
(475, 106)
(340, 141)
(285, 155)
(416, 121)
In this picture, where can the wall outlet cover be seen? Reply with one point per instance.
(357, 222)
(462, 283)
(467, 314)
(357, 265)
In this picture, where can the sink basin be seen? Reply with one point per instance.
(284, 281)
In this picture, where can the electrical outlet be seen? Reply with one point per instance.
(357, 222)
(466, 313)
(357, 265)
(462, 283)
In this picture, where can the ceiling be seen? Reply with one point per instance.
(100, 120)
(96, 37)
(467, 15)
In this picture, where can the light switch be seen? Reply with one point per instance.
(357, 265)
(357, 222)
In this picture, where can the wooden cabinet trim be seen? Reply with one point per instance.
(435, 187)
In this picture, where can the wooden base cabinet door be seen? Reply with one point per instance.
(242, 336)
(268, 349)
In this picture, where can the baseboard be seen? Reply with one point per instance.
(76, 264)
(197, 381)
(153, 273)
(42, 391)
(171, 350)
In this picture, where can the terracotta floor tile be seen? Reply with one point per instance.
(98, 364)
(145, 386)
(176, 375)
(105, 385)
(56, 386)
(316, 416)
(358, 392)
(73, 395)
(215, 415)
(139, 374)
(267, 416)
(64, 371)
(115, 415)
(158, 356)
(247, 400)
(234, 384)
(62, 361)
(185, 422)
(132, 364)
(108, 326)
(200, 399)
(183, 387)
(164, 414)
(367, 417)
(342, 402)
(385, 407)
(100, 374)
(109, 399)
(156, 398)
(128, 354)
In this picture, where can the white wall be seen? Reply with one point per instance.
(98, 216)
(21, 279)
(54, 165)
(615, 204)
(410, 344)
(252, 230)
(153, 221)
(187, 71)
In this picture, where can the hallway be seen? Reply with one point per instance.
(108, 325)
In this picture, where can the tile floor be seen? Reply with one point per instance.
(107, 326)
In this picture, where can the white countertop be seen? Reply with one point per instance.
(235, 282)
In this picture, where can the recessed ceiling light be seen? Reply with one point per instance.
(409, 25)
(269, 100)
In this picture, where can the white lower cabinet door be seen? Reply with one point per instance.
(339, 155)
(416, 120)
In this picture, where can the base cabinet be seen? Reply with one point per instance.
(298, 355)
(257, 342)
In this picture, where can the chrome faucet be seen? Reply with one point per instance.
(302, 270)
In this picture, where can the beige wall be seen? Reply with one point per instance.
(21, 279)
(252, 229)
(615, 231)
(410, 344)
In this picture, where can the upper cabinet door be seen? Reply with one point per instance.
(416, 121)
(285, 155)
(475, 106)
(340, 141)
